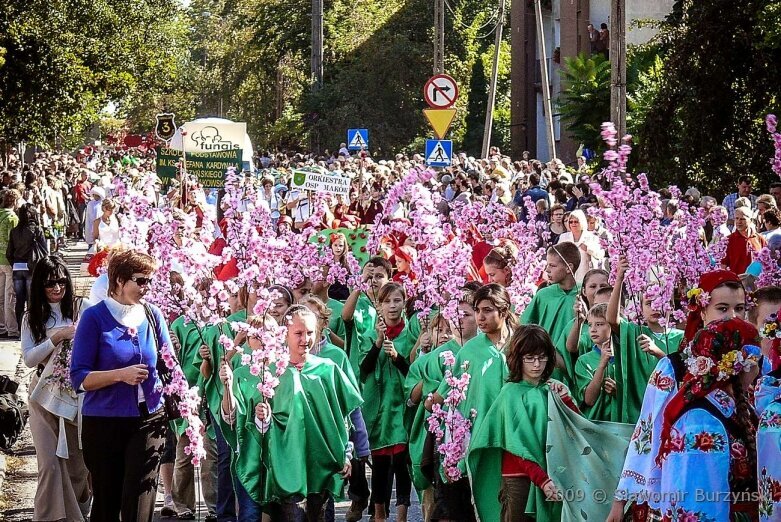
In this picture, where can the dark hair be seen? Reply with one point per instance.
(744, 179)
(500, 298)
(381, 262)
(591, 273)
(529, 339)
(534, 179)
(766, 294)
(772, 216)
(604, 290)
(775, 184)
(569, 253)
(283, 291)
(39, 311)
(27, 215)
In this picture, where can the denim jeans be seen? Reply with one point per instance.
(226, 498)
(22, 281)
(249, 510)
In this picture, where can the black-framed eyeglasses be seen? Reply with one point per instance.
(51, 283)
(141, 281)
(531, 359)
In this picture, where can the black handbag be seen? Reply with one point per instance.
(170, 402)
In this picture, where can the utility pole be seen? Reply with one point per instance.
(489, 113)
(546, 101)
(317, 45)
(439, 36)
(618, 65)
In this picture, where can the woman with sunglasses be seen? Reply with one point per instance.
(114, 362)
(47, 330)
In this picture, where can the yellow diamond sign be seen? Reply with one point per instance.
(440, 120)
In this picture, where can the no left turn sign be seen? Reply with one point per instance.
(440, 92)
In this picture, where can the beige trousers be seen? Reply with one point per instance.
(62, 483)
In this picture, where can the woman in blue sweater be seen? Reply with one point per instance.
(114, 363)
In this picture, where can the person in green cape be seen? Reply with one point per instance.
(639, 349)
(359, 315)
(186, 339)
(237, 412)
(415, 416)
(359, 486)
(507, 452)
(552, 306)
(483, 358)
(360, 309)
(306, 450)
(207, 360)
(578, 338)
(595, 372)
(336, 329)
(384, 364)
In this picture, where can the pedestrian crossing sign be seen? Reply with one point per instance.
(439, 153)
(357, 139)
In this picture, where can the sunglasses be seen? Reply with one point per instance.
(141, 281)
(51, 283)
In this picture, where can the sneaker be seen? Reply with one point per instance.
(188, 515)
(356, 510)
(211, 516)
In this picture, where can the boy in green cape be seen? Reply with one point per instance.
(425, 376)
(359, 313)
(639, 349)
(483, 359)
(306, 451)
(595, 371)
(552, 306)
(187, 340)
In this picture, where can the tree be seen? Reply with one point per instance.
(721, 66)
(584, 102)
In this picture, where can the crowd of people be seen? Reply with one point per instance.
(391, 330)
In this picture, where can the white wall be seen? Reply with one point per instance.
(635, 10)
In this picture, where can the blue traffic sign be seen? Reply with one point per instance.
(357, 139)
(439, 153)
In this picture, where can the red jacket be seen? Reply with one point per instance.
(741, 250)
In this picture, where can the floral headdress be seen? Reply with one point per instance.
(719, 352)
(772, 330)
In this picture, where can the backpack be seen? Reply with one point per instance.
(13, 413)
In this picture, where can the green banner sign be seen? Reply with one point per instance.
(209, 167)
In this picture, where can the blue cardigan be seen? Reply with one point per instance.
(102, 343)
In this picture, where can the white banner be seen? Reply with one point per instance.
(319, 182)
(213, 137)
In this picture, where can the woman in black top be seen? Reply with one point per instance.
(26, 245)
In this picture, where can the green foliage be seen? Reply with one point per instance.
(703, 110)
(67, 58)
(585, 99)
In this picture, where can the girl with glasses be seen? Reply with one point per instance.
(507, 450)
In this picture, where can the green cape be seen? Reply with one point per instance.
(607, 407)
(247, 451)
(516, 423)
(584, 459)
(551, 308)
(304, 448)
(212, 387)
(488, 373)
(357, 330)
(383, 393)
(335, 323)
(190, 342)
(634, 367)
